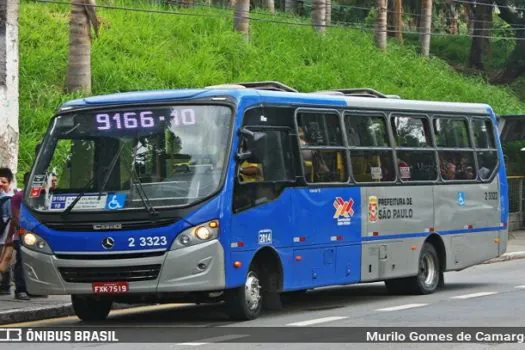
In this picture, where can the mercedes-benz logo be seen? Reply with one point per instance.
(108, 243)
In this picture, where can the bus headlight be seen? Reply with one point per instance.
(35, 242)
(204, 232)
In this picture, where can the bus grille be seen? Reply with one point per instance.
(109, 256)
(109, 274)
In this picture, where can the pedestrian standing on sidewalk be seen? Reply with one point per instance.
(11, 210)
(6, 177)
(16, 202)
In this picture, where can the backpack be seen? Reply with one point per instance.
(3, 224)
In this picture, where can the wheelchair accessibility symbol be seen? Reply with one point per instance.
(461, 199)
(115, 201)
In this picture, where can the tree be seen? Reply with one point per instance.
(398, 20)
(452, 17)
(328, 12)
(291, 6)
(482, 26)
(426, 26)
(240, 17)
(381, 24)
(83, 18)
(319, 15)
(9, 83)
(269, 5)
(515, 17)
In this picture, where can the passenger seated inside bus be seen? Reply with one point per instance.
(455, 167)
(249, 172)
(319, 165)
(372, 166)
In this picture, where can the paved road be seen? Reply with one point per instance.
(485, 296)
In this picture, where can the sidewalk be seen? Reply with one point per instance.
(12, 310)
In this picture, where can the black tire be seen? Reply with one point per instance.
(295, 296)
(87, 308)
(428, 279)
(245, 303)
(397, 286)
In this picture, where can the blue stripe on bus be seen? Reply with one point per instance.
(424, 234)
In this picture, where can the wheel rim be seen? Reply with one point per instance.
(252, 290)
(427, 270)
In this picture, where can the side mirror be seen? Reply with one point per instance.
(255, 146)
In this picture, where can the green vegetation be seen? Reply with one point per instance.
(456, 49)
(137, 51)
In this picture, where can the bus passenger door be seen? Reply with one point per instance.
(327, 229)
(262, 198)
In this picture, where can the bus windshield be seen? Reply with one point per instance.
(131, 158)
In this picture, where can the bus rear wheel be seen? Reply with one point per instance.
(245, 303)
(426, 281)
(88, 308)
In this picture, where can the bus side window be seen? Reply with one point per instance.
(370, 165)
(316, 131)
(456, 157)
(486, 152)
(416, 161)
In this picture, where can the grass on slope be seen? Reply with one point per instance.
(137, 51)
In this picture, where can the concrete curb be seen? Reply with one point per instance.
(37, 313)
(507, 257)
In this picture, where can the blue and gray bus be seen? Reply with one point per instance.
(240, 193)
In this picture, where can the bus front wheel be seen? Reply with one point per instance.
(245, 303)
(88, 308)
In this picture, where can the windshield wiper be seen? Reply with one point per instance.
(80, 195)
(145, 200)
(110, 170)
(90, 183)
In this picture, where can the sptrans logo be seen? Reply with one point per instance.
(343, 211)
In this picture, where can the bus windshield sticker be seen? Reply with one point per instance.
(265, 237)
(343, 211)
(116, 201)
(372, 209)
(35, 191)
(87, 202)
(38, 180)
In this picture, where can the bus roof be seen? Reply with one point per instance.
(327, 99)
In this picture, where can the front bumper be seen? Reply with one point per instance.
(191, 269)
